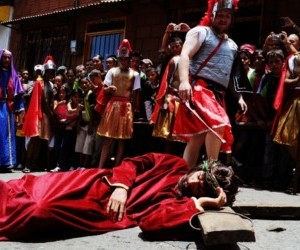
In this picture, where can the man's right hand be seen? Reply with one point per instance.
(213, 202)
(110, 89)
(185, 91)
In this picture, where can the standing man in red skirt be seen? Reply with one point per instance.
(205, 68)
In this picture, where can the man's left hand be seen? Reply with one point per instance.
(242, 104)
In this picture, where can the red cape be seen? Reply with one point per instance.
(280, 95)
(34, 112)
(280, 91)
(160, 94)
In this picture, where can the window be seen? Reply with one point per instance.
(105, 45)
(103, 38)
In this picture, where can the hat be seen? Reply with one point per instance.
(124, 49)
(213, 6)
(62, 68)
(248, 47)
(49, 63)
(38, 67)
(147, 61)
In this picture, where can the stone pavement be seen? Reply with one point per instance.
(275, 217)
(267, 204)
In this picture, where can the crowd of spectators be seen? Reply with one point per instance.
(264, 154)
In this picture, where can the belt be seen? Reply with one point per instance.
(212, 85)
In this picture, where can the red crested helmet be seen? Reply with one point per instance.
(49, 63)
(213, 6)
(124, 49)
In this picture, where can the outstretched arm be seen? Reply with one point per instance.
(288, 22)
(190, 47)
(174, 213)
(212, 202)
(166, 37)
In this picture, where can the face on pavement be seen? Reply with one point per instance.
(196, 183)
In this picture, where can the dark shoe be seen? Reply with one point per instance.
(19, 167)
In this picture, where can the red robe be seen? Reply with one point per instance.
(74, 203)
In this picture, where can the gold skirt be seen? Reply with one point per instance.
(164, 124)
(288, 127)
(44, 128)
(117, 119)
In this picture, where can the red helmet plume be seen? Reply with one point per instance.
(124, 49)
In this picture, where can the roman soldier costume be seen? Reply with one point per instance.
(117, 119)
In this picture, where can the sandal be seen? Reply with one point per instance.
(26, 170)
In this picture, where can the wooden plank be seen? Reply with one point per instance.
(224, 226)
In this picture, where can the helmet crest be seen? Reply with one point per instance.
(124, 49)
(213, 6)
(49, 63)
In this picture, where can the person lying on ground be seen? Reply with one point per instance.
(154, 191)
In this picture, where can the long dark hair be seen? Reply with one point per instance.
(217, 174)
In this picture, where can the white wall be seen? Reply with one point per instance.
(5, 33)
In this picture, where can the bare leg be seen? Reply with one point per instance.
(105, 152)
(120, 151)
(192, 149)
(213, 144)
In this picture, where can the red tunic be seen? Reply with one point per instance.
(213, 115)
(75, 202)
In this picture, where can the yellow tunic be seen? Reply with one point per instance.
(117, 119)
(163, 126)
(288, 127)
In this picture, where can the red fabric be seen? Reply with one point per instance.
(160, 94)
(34, 112)
(279, 97)
(211, 112)
(280, 90)
(10, 94)
(75, 201)
(61, 111)
(101, 101)
(62, 114)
